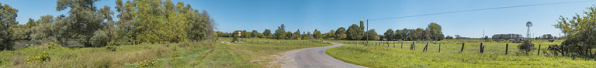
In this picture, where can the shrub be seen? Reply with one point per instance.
(526, 46)
(147, 63)
(111, 48)
(41, 57)
(175, 54)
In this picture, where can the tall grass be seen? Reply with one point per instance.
(450, 56)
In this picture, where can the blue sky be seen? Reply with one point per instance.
(326, 15)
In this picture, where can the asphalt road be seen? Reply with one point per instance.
(315, 58)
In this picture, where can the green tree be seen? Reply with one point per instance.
(389, 34)
(579, 33)
(353, 32)
(289, 35)
(281, 32)
(449, 37)
(254, 33)
(245, 34)
(435, 31)
(297, 34)
(330, 34)
(8, 20)
(267, 32)
(372, 35)
(340, 33)
(317, 34)
(399, 34)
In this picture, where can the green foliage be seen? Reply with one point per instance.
(354, 32)
(526, 47)
(372, 35)
(330, 34)
(389, 34)
(8, 20)
(449, 37)
(42, 57)
(254, 33)
(267, 32)
(175, 54)
(340, 33)
(100, 38)
(280, 33)
(317, 34)
(579, 32)
(111, 48)
(148, 63)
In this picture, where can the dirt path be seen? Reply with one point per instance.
(313, 58)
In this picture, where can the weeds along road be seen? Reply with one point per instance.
(314, 58)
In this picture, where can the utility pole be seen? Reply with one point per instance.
(366, 32)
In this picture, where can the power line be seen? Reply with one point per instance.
(478, 10)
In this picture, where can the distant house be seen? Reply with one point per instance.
(518, 40)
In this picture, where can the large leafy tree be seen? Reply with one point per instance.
(317, 34)
(7, 21)
(157, 21)
(340, 33)
(354, 32)
(331, 34)
(267, 32)
(254, 33)
(389, 34)
(280, 33)
(372, 35)
(580, 32)
(435, 31)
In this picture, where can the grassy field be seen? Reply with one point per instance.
(450, 56)
(206, 54)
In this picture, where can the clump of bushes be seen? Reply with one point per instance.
(42, 57)
(147, 63)
(111, 48)
(175, 54)
(526, 46)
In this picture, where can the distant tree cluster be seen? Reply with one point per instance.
(506, 36)
(547, 36)
(432, 32)
(280, 33)
(150, 21)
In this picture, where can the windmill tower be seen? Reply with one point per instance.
(528, 24)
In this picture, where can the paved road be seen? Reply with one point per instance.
(315, 58)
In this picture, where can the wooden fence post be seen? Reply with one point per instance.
(539, 49)
(462, 47)
(439, 47)
(387, 44)
(393, 44)
(506, 48)
(413, 46)
(402, 45)
(481, 48)
(425, 47)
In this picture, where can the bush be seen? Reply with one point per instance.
(147, 63)
(41, 57)
(175, 54)
(526, 46)
(111, 48)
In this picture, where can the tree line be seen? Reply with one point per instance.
(139, 21)
(354, 32)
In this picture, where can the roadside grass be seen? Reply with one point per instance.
(450, 56)
(245, 54)
(82, 57)
(204, 54)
